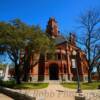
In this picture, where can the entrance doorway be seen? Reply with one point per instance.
(53, 72)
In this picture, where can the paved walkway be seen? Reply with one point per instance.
(56, 92)
(4, 97)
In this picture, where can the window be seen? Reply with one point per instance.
(59, 56)
(73, 63)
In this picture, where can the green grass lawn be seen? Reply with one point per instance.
(31, 86)
(12, 84)
(84, 86)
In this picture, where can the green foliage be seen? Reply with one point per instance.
(31, 86)
(16, 35)
(12, 37)
(8, 84)
(2, 66)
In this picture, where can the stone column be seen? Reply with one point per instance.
(61, 67)
(46, 72)
(34, 73)
(69, 65)
(34, 70)
(81, 66)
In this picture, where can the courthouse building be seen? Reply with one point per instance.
(68, 57)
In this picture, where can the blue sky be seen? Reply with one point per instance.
(38, 12)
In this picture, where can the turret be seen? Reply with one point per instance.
(52, 28)
(72, 38)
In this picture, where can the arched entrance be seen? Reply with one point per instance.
(53, 72)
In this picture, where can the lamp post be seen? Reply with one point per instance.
(78, 78)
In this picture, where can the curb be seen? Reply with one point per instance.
(15, 95)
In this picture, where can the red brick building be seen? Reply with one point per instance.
(68, 57)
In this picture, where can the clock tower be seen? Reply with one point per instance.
(52, 28)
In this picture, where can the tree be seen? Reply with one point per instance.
(12, 40)
(16, 36)
(37, 43)
(90, 39)
(98, 70)
(97, 63)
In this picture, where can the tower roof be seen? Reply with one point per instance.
(52, 27)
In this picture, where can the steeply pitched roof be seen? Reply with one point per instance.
(59, 40)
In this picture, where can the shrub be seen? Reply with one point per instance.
(9, 83)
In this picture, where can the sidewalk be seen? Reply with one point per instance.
(4, 97)
(57, 92)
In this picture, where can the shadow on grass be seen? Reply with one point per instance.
(84, 86)
(13, 85)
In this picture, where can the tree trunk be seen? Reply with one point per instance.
(17, 74)
(98, 70)
(99, 76)
(89, 76)
(26, 70)
(28, 64)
